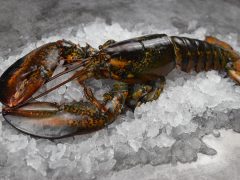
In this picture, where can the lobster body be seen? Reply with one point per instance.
(141, 59)
(138, 65)
(194, 54)
(147, 58)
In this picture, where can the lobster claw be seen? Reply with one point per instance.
(49, 120)
(15, 89)
(23, 78)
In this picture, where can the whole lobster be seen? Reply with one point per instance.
(137, 65)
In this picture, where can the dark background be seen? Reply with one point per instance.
(22, 21)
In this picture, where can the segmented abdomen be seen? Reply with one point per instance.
(193, 54)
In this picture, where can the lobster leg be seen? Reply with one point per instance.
(143, 93)
(112, 105)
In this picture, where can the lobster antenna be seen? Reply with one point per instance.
(83, 62)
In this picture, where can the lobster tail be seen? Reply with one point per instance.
(193, 54)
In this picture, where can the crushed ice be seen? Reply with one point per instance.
(169, 130)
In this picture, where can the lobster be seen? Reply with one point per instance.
(138, 67)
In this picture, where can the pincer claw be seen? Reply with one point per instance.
(49, 120)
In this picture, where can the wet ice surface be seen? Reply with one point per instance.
(170, 130)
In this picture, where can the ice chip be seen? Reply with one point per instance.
(37, 163)
(86, 164)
